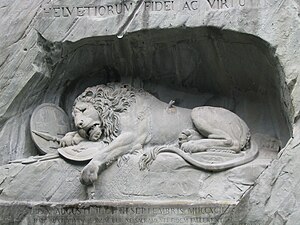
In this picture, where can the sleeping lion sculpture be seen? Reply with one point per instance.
(128, 120)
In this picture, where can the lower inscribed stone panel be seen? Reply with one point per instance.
(114, 213)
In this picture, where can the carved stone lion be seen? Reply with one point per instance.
(129, 120)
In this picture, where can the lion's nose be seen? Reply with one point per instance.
(80, 124)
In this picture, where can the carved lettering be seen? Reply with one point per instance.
(127, 7)
(80, 11)
(224, 4)
(194, 5)
(211, 3)
(110, 9)
(159, 5)
(89, 9)
(102, 10)
(148, 5)
(70, 12)
(169, 5)
(56, 11)
(218, 4)
(186, 6)
(110, 215)
(119, 8)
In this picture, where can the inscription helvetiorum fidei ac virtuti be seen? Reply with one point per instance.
(148, 112)
(108, 9)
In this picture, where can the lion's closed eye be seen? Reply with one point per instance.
(82, 110)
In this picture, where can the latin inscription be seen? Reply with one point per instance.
(107, 215)
(150, 6)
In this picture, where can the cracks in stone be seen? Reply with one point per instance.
(2, 183)
(61, 181)
(70, 28)
(267, 200)
(26, 29)
(296, 145)
(280, 6)
(10, 180)
(297, 116)
(47, 27)
(280, 219)
(280, 153)
(283, 212)
(5, 60)
(248, 191)
(123, 29)
(15, 175)
(4, 85)
(23, 35)
(225, 212)
(7, 82)
(291, 84)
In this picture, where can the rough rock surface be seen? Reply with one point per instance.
(34, 69)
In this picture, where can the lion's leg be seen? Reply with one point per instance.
(206, 144)
(208, 129)
(214, 138)
(120, 146)
(188, 135)
(89, 174)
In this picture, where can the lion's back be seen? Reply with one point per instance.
(165, 122)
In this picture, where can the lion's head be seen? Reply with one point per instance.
(96, 111)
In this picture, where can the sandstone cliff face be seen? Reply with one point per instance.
(246, 56)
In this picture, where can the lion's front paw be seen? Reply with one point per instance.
(188, 135)
(70, 139)
(66, 141)
(89, 174)
(186, 147)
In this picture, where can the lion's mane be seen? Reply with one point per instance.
(109, 100)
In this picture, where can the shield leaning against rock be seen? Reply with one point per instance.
(48, 124)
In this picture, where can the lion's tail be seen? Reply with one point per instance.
(248, 156)
(148, 158)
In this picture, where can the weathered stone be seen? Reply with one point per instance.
(241, 55)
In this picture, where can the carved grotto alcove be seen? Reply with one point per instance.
(192, 67)
(199, 66)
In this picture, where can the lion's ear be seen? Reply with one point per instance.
(89, 94)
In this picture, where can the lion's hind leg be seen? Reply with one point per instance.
(209, 144)
(209, 123)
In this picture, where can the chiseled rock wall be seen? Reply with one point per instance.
(28, 62)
